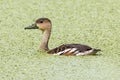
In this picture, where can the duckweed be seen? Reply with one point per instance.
(92, 22)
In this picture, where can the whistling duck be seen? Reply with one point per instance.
(45, 25)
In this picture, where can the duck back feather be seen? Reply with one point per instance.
(73, 49)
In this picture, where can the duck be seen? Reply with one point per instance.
(45, 25)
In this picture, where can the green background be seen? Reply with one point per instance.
(92, 22)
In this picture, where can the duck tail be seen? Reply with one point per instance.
(97, 50)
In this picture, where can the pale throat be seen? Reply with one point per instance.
(45, 39)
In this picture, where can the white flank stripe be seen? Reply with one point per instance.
(76, 52)
(66, 50)
(85, 53)
(61, 52)
(81, 53)
(72, 50)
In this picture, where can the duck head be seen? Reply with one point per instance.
(41, 23)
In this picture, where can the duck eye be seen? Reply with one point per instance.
(41, 21)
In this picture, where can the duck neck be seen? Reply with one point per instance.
(45, 40)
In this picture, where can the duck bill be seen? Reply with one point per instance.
(33, 26)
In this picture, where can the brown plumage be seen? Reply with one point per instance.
(45, 25)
